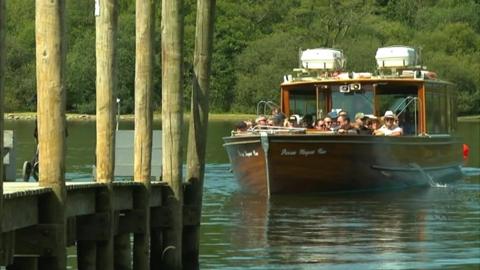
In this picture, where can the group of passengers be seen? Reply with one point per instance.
(364, 124)
(338, 123)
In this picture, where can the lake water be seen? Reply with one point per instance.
(433, 228)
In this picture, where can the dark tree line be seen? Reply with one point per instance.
(255, 44)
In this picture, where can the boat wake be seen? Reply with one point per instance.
(428, 177)
(471, 171)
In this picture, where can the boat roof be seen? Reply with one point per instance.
(311, 77)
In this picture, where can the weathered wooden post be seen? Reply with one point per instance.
(51, 93)
(2, 81)
(106, 34)
(172, 121)
(144, 29)
(198, 128)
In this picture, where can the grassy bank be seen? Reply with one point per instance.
(469, 118)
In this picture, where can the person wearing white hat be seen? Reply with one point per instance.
(389, 128)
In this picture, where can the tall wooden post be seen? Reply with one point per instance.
(51, 93)
(144, 29)
(172, 121)
(2, 81)
(106, 34)
(198, 127)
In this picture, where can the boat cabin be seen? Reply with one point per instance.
(423, 104)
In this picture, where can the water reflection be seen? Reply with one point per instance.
(415, 229)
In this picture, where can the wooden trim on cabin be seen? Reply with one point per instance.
(285, 101)
(375, 100)
(422, 112)
(328, 100)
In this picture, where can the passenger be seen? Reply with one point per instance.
(389, 128)
(320, 125)
(250, 123)
(261, 121)
(359, 119)
(333, 115)
(241, 126)
(361, 124)
(307, 121)
(277, 120)
(373, 124)
(328, 123)
(270, 122)
(344, 126)
(343, 113)
(277, 117)
(291, 121)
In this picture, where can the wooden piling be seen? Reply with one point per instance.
(144, 29)
(198, 128)
(106, 34)
(51, 93)
(172, 121)
(2, 83)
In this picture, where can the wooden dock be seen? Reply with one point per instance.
(26, 239)
(40, 220)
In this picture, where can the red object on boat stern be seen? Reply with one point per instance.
(466, 151)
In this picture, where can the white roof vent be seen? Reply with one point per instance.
(325, 59)
(396, 57)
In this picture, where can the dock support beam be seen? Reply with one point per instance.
(106, 34)
(198, 128)
(51, 93)
(172, 121)
(144, 29)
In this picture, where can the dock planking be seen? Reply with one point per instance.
(24, 234)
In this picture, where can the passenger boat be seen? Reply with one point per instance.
(276, 160)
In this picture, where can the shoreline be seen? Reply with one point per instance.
(30, 116)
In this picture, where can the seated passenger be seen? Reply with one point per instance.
(291, 121)
(320, 125)
(343, 113)
(361, 124)
(261, 121)
(344, 126)
(307, 121)
(333, 115)
(328, 123)
(241, 126)
(389, 128)
(277, 119)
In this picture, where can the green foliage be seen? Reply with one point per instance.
(255, 44)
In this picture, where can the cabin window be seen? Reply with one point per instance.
(437, 111)
(403, 101)
(353, 101)
(303, 102)
(322, 104)
(452, 108)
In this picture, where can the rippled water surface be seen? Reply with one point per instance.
(433, 228)
(436, 228)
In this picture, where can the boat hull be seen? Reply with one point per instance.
(276, 164)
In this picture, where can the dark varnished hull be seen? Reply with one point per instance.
(317, 163)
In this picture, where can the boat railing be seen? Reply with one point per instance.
(269, 130)
(402, 106)
(266, 103)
